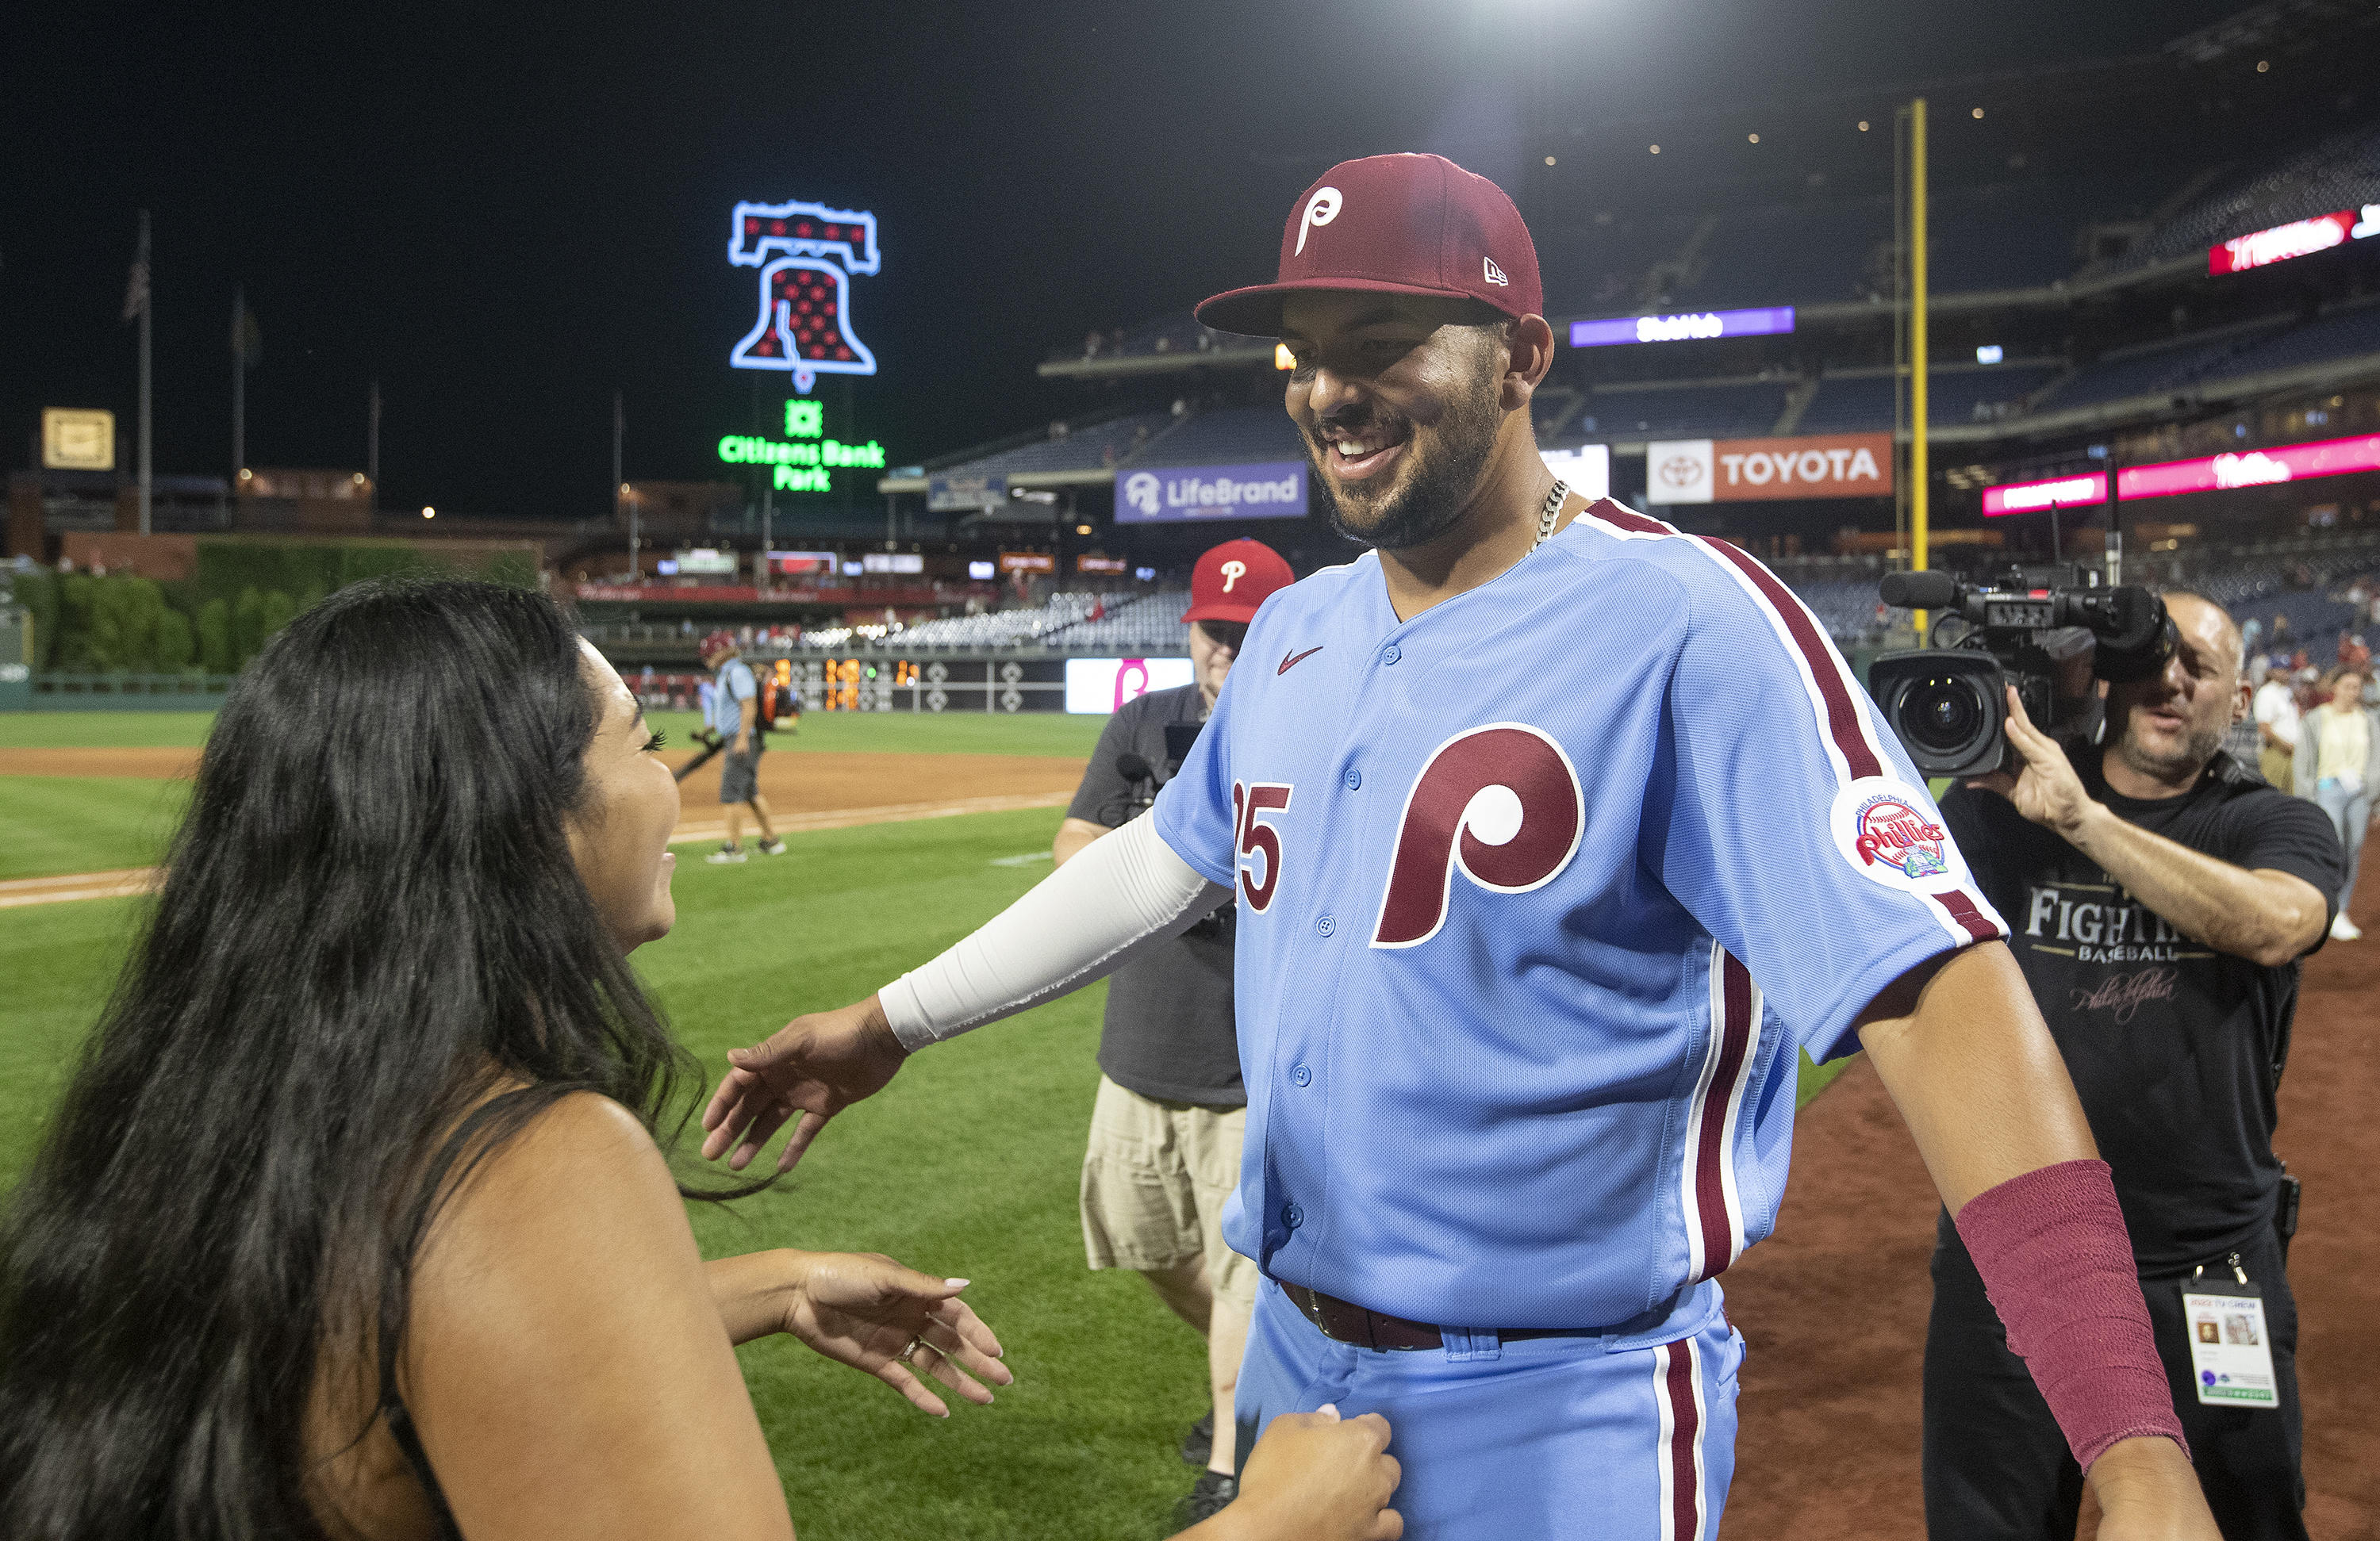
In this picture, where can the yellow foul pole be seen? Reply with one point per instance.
(1919, 358)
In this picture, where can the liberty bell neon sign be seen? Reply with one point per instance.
(806, 253)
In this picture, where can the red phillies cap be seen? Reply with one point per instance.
(715, 643)
(1234, 578)
(1398, 224)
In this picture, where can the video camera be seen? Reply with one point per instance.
(2033, 627)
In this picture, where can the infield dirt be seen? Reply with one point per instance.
(808, 789)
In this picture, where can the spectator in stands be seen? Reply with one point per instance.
(2276, 719)
(2338, 757)
(734, 719)
(1165, 1133)
(2284, 639)
(2161, 899)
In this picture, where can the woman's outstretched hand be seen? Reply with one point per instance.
(1313, 1476)
(814, 1066)
(865, 1310)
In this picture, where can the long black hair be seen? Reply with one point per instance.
(370, 922)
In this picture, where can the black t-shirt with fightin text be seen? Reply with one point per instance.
(2175, 1050)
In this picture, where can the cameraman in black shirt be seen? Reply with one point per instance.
(2161, 895)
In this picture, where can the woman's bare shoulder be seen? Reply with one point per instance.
(566, 1362)
(582, 1176)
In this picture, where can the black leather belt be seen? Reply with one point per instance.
(1345, 1322)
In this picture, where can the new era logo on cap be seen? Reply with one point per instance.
(1412, 225)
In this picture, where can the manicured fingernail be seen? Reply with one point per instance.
(958, 1283)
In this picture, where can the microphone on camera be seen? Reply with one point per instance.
(1132, 767)
(1924, 589)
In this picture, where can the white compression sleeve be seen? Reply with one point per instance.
(1122, 895)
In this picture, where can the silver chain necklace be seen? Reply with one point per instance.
(1552, 511)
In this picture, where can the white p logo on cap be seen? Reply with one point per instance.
(1320, 210)
(1234, 571)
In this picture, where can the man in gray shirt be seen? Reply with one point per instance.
(1166, 1132)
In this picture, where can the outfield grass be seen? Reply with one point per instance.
(51, 824)
(77, 824)
(905, 732)
(103, 730)
(966, 1165)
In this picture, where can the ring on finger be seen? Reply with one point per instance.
(909, 1354)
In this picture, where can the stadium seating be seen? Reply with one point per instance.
(1090, 448)
(2344, 333)
(2171, 365)
(1964, 397)
(1734, 411)
(1228, 436)
(1147, 620)
(2341, 172)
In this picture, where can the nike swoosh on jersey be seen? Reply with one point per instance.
(1291, 661)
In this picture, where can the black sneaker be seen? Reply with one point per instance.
(772, 847)
(1198, 1445)
(1210, 1496)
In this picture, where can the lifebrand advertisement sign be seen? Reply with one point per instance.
(1267, 489)
(1746, 470)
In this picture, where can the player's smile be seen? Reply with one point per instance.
(1354, 454)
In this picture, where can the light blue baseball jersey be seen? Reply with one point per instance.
(1538, 891)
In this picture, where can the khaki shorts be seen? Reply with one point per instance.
(1154, 1183)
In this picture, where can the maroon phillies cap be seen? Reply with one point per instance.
(1398, 224)
(1232, 579)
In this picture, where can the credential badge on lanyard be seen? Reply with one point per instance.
(2231, 1353)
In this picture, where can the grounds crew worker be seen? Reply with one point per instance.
(735, 720)
(1165, 1134)
(2161, 895)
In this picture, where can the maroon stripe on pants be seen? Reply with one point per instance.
(1842, 716)
(1963, 910)
(1685, 1423)
(1733, 1031)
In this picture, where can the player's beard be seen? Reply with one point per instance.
(1428, 492)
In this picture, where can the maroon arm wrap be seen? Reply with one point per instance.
(2058, 1264)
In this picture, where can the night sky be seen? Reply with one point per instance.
(504, 213)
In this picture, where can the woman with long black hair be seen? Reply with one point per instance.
(354, 1221)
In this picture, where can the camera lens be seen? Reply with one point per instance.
(1943, 714)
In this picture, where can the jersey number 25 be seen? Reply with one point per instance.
(1258, 845)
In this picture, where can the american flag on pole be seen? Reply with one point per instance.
(136, 287)
(136, 291)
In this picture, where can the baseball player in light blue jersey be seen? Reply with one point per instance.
(1555, 831)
